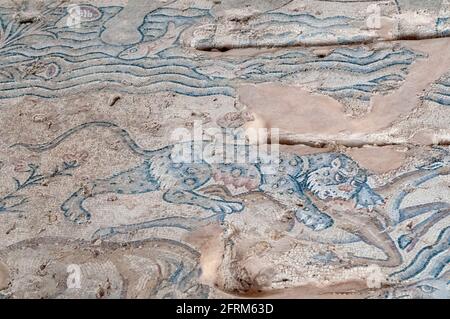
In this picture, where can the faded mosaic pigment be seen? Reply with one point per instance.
(225, 149)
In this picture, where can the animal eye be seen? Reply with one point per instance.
(133, 50)
(427, 289)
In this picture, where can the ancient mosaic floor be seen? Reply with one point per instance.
(355, 96)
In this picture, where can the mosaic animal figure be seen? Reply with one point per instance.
(431, 259)
(325, 177)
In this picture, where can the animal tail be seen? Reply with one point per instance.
(123, 134)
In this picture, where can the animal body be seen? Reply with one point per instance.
(325, 176)
(152, 48)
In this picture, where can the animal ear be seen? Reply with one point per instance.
(336, 163)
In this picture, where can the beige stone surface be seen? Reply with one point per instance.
(97, 99)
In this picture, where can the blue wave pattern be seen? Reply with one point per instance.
(440, 92)
(66, 60)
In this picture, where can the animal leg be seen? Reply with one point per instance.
(190, 197)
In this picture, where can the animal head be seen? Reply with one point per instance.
(340, 178)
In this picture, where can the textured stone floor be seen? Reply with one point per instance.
(351, 201)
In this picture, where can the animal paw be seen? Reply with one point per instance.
(225, 207)
(74, 212)
(315, 221)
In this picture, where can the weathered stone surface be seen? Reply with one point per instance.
(95, 98)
